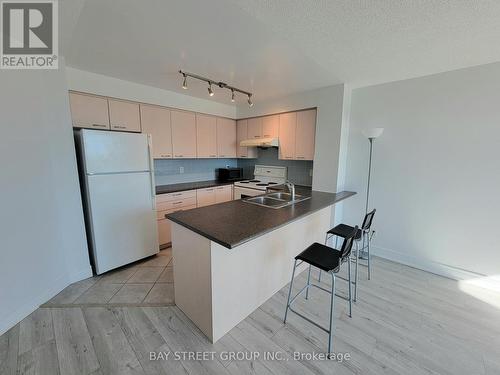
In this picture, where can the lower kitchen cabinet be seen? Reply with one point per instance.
(167, 204)
(223, 193)
(164, 234)
(205, 197)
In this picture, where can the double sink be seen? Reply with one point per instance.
(276, 200)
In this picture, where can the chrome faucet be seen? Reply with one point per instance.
(291, 189)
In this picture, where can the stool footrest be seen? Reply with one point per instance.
(309, 320)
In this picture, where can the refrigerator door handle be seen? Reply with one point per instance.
(151, 173)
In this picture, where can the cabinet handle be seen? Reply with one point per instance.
(213, 156)
(300, 157)
(267, 135)
(288, 157)
(256, 136)
(178, 156)
(222, 156)
(100, 126)
(177, 202)
(166, 156)
(176, 194)
(119, 127)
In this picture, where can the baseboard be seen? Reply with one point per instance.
(38, 297)
(424, 264)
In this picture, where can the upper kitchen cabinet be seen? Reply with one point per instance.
(88, 111)
(254, 128)
(206, 136)
(156, 121)
(226, 138)
(305, 135)
(124, 116)
(183, 134)
(287, 134)
(270, 126)
(242, 134)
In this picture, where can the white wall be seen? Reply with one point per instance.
(329, 101)
(43, 243)
(436, 173)
(80, 80)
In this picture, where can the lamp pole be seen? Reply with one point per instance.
(369, 175)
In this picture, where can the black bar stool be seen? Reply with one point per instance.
(329, 260)
(363, 235)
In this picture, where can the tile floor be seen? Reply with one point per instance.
(148, 282)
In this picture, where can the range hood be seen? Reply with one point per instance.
(260, 142)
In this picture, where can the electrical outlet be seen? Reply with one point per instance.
(181, 170)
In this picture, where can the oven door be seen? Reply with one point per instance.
(241, 192)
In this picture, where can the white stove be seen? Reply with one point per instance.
(264, 177)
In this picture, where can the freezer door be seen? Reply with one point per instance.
(123, 223)
(114, 152)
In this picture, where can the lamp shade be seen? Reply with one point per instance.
(373, 132)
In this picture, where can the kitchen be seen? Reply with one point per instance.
(234, 187)
(186, 141)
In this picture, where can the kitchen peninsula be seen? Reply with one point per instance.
(230, 258)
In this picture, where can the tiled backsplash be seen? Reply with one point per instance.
(168, 171)
(298, 170)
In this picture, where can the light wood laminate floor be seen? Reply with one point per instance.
(406, 321)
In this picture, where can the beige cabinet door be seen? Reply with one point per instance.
(156, 121)
(89, 111)
(226, 138)
(205, 197)
(223, 193)
(305, 135)
(124, 116)
(206, 136)
(241, 135)
(164, 233)
(254, 128)
(183, 134)
(288, 125)
(270, 126)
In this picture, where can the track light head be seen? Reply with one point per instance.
(210, 91)
(232, 95)
(184, 82)
(249, 101)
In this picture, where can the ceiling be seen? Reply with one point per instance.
(275, 48)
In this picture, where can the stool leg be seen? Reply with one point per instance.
(356, 272)
(290, 291)
(368, 252)
(350, 292)
(326, 244)
(332, 315)
(308, 282)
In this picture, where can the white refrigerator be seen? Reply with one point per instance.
(118, 190)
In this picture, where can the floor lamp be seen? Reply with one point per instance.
(371, 134)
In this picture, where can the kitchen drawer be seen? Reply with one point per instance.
(176, 203)
(161, 214)
(175, 196)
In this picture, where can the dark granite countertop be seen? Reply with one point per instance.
(236, 222)
(172, 188)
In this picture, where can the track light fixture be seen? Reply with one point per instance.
(222, 85)
(184, 83)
